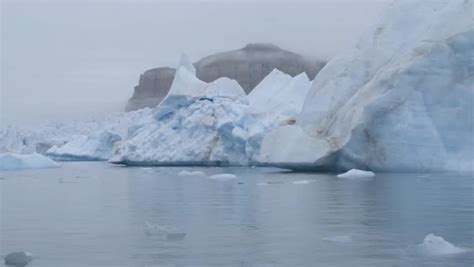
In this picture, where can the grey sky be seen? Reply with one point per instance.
(73, 59)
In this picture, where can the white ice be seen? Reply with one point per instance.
(399, 100)
(436, 246)
(356, 174)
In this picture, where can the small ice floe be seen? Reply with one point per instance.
(20, 258)
(191, 173)
(436, 246)
(356, 174)
(170, 233)
(223, 176)
(338, 238)
(304, 182)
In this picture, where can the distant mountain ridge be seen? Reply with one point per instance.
(248, 66)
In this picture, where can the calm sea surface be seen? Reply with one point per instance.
(96, 214)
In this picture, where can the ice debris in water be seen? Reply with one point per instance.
(20, 258)
(338, 238)
(191, 173)
(356, 174)
(170, 233)
(436, 246)
(223, 176)
(304, 182)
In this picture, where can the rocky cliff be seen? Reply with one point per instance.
(248, 66)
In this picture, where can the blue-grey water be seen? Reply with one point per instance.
(95, 214)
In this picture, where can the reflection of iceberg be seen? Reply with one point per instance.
(9, 161)
(436, 246)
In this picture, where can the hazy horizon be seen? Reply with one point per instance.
(72, 60)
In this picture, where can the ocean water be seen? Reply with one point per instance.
(96, 214)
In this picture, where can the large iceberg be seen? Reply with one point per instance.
(215, 123)
(195, 124)
(400, 100)
(10, 161)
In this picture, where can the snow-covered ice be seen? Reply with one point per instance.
(10, 161)
(223, 176)
(356, 174)
(20, 258)
(436, 246)
(191, 173)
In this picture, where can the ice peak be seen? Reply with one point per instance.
(185, 62)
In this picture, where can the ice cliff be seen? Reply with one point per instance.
(400, 100)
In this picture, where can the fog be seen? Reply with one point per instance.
(76, 59)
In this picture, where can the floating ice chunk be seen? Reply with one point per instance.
(191, 173)
(304, 182)
(223, 176)
(436, 246)
(20, 258)
(338, 238)
(10, 161)
(356, 174)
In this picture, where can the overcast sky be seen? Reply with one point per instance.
(73, 59)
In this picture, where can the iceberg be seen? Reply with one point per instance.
(436, 246)
(10, 161)
(399, 100)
